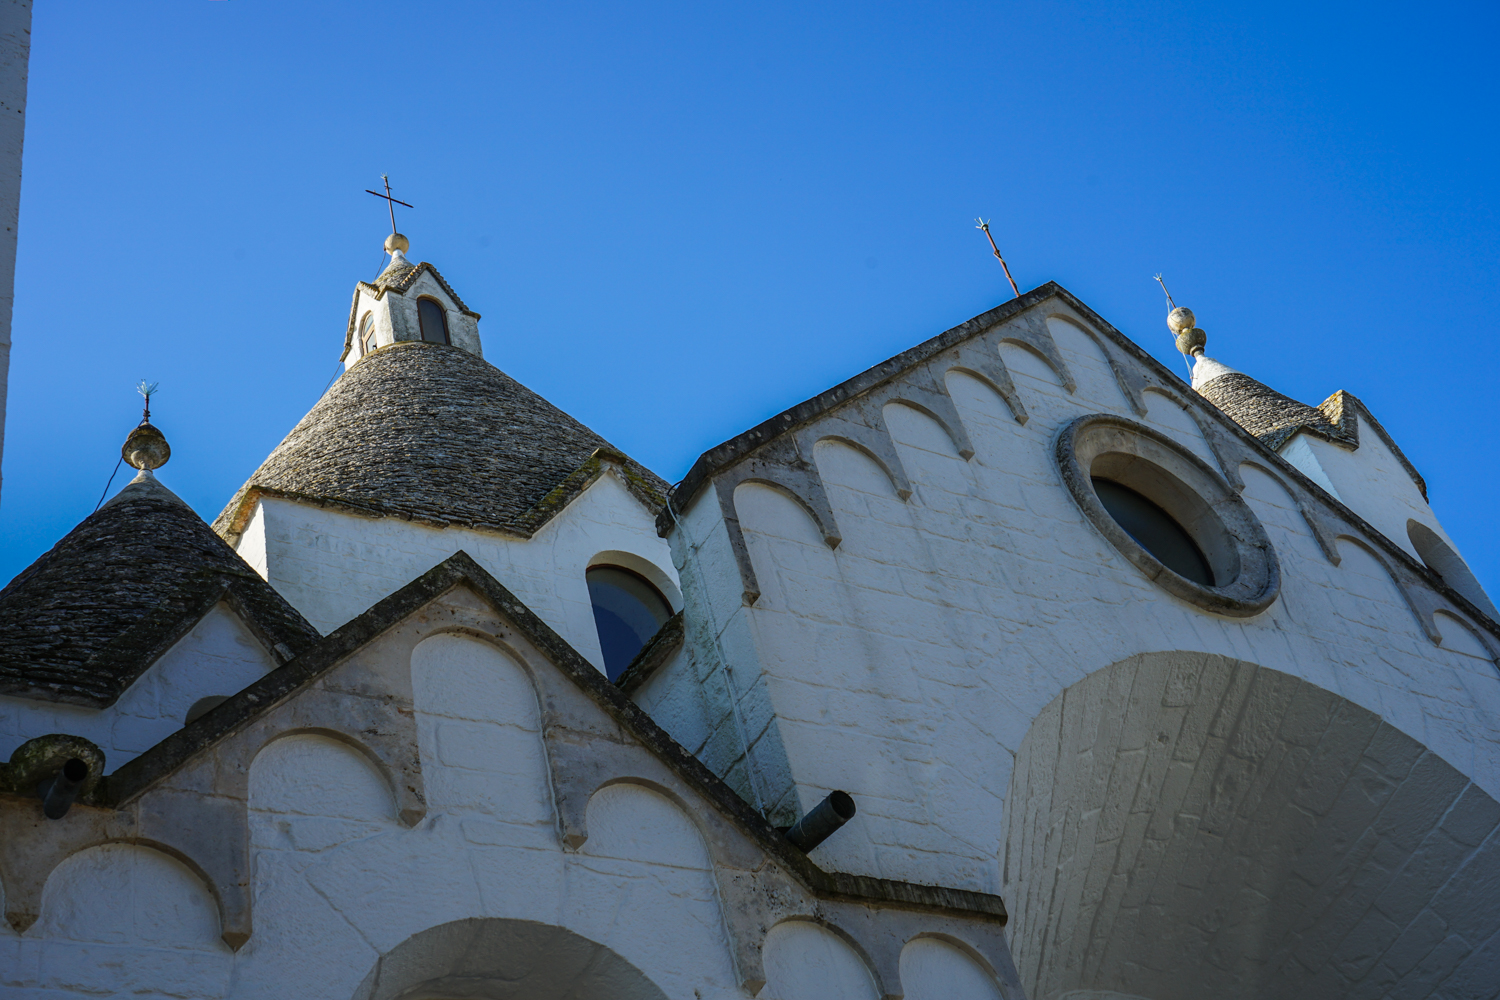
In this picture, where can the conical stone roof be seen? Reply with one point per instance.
(1268, 414)
(432, 433)
(87, 618)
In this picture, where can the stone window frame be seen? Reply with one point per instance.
(1196, 496)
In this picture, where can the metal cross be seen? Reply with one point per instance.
(984, 225)
(392, 202)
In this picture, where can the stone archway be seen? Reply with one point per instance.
(1183, 825)
(496, 959)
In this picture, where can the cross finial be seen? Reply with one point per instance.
(985, 225)
(396, 241)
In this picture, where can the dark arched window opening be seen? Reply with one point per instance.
(1447, 564)
(628, 611)
(434, 321)
(367, 334)
(1155, 531)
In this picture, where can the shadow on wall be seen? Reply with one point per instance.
(495, 959)
(1183, 825)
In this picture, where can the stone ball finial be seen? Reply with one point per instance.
(1181, 320)
(146, 448)
(396, 243)
(1192, 341)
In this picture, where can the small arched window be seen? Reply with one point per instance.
(367, 334)
(1447, 564)
(1154, 530)
(434, 320)
(628, 611)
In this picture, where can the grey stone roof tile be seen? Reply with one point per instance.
(432, 433)
(1272, 417)
(90, 616)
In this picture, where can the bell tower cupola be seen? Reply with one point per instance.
(407, 302)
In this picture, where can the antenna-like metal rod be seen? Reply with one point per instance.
(984, 225)
(1163, 285)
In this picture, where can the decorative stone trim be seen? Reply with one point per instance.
(1197, 497)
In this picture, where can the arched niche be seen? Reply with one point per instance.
(1283, 520)
(1442, 560)
(1168, 416)
(845, 466)
(498, 959)
(1030, 370)
(914, 427)
(479, 730)
(1097, 386)
(300, 782)
(786, 545)
(1459, 637)
(1372, 603)
(637, 823)
(807, 961)
(129, 894)
(935, 969)
(928, 452)
(1183, 825)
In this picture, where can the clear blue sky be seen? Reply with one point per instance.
(678, 220)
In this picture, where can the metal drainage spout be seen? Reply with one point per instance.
(821, 823)
(59, 791)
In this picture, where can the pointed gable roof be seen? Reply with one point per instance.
(91, 615)
(431, 433)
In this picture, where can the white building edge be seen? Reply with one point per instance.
(1081, 771)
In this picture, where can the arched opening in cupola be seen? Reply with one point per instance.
(367, 334)
(433, 319)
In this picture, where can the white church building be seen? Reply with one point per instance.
(1014, 667)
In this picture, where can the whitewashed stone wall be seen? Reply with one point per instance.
(480, 893)
(332, 566)
(906, 665)
(219, 656)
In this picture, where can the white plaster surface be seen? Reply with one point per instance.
(807, 962)
(933, 969)
(1373, 483)
(905, 665)
(1299, 452)
(333, 566)
(219, 656)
